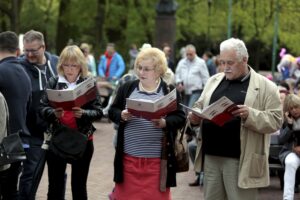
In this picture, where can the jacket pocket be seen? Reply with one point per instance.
(257, 165)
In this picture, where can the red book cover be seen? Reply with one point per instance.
(77, 97)
(218, 112)
(152, 109)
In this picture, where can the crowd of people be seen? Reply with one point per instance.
(230, 161)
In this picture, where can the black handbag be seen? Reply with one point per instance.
(68, 143)
(11, 149)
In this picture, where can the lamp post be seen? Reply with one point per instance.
(209, 2)
(229, 18)
(165, 27)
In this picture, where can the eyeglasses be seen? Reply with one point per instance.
(72, 66)
(145, 69)
(32, 51)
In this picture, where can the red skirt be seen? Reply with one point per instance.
(141, 180)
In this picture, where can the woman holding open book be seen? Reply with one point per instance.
(144, 165)
(72, 70)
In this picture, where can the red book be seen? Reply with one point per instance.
(77, 97)
(153, 109)
(218, 112)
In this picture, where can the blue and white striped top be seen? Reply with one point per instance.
(141, 138)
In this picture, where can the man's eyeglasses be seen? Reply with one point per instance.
(146, 69)
(70, 65)
(32, 51)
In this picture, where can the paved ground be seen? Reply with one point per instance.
(100, 177)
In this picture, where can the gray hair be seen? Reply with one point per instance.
(190, 46)
(237, 45)
(33, 35)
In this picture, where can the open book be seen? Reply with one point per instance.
(152, 109)
(218, 112)
(83, 93)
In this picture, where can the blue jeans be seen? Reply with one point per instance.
(189, 100)
(33, 154)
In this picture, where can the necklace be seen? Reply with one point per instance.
(150, 91)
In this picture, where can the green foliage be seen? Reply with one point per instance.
(133, 21)
(40, 15)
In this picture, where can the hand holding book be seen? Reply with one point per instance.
(218, 112)
(194, 119)
(241, 111)
(125, 115)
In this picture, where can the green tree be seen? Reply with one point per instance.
(200, 22)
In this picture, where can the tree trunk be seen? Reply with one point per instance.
(12, 9)
(62, 27)
(118, 35)
(15, 20)
(100, 19)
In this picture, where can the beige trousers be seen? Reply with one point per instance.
(221, 180)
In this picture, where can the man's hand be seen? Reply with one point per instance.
(194, 119)
(242, 112)
(180, 87)
(297, 150)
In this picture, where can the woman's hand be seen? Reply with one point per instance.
(77, 112)
(194, 119)
(125, 115)
(159, 123)
(59, 112)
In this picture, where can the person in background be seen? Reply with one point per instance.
(145, 148)
(191, 75)
(72, 70)
(290, 137)
(111, 66)
(132, 54)
(16, 88)
(168, 51)
(40, 65)
(85, 48)
(208, 57)
(235, 154)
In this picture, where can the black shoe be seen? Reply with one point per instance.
(195, 183)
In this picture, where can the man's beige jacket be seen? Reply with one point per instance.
(265, 117)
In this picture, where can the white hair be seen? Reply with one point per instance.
(237, 45)
(191, 47)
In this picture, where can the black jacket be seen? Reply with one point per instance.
(35, 124)
(92, 110)
(174, 121)
(16, 88)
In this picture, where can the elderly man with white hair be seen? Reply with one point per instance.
(236, 154)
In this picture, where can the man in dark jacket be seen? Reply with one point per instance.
(16, 88)
(40, 66)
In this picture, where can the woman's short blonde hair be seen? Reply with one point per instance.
(73, 54)
(291, 101)
(156, 56)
